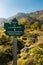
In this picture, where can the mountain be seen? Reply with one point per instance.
(34, 16)
(2, 21)
(37, 15)
(18, 16)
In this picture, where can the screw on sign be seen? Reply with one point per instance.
(13, 29)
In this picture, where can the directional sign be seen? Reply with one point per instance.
(13, 29)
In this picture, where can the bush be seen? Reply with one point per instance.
(20, 45)
(35, 26)
(42, 27)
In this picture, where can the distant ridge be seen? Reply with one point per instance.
(34, 16)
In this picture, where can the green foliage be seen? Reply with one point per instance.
(34, 52)
(6, 49)
(33, 37)
(4, 39)
(10, 40)
(20, 45)
(42, 27)
(31, 22)
(38, 59)
(35, 26)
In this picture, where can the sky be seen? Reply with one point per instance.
(12, 7)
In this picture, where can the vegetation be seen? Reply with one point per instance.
(29, 45)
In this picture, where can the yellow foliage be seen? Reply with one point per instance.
(2, 32)
(1, 48)
(22, 61)
(23, 54)
(20, 38)
(22, 20)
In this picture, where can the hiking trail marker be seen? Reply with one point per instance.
(14, 29)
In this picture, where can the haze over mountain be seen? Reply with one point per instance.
(34, 16)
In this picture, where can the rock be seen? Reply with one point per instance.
(26, 49)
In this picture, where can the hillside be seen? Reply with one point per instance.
(29, 45)
(37, 15)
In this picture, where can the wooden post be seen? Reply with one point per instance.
(15, 51)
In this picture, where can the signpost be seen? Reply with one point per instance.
(13, 29)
